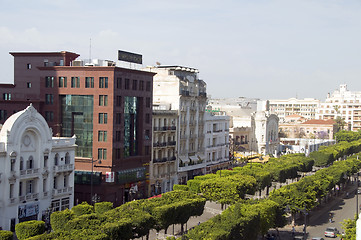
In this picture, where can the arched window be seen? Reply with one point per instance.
(21, 163)
(30, 163)
(67, 158)
(56, 159)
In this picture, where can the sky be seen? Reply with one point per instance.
(267, 49)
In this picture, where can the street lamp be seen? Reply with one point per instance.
(91, 179)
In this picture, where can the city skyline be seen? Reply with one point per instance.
(264, 49)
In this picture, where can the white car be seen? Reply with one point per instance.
(331, 232)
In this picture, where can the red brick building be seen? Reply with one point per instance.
(108, 108)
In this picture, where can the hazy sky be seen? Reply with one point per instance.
(254, 48)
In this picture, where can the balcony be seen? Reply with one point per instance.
(171, 143)
(62, 191)
(29, 197)
(64, 168)
(158, 144)
(202, 94)
(28, 173)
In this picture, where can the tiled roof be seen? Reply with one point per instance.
(320, 121)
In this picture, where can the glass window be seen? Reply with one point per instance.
(141, 85)
(134, 86)
(130, 126)
(89, 82)
(49, 82)
(75, 82)
(103, 100)
(62, 82)
(7, 96)
(28, 84)
(118, 118)
(49, 99)
(49, 116)
(118, 101)
(147, 88)
(102, 153)
(127, 83)
(103, 118)
(102, 136)
(103, 82)
(119, 83)
(147, 102)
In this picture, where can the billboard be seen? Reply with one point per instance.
(129, 57)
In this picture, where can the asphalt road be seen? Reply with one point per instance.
(342, 207)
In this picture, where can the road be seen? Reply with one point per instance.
(342, 207)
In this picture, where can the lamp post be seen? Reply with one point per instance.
(91, 179)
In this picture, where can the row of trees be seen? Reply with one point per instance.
(235, 222)
(131, 220)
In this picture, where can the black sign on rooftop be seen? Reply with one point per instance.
(129, 57)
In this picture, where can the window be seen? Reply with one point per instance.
(29, 186)
(126, 83)
(30, 163)
(49, 82)
(102, 136)
(11, 193)
(147, 87)
(7, 96)
(20, 188)
(46, 160)
(103, 100)
(12, 164)
(102, 153)
(21, 163)
(28, 84)
(103, 118)
(134, 86)
(117, 153)
(119, 83)
(44, 185)
(56, 159)
(63, 82)
(147, 134)
(141, 85)
(67, 158)
(118, 118)
(66, 178)
(147, 118)
(65, 203)
(75, 82)
(3, 115)
(118, 135)
(55, 184)
(118, 101)
(49, 99)
(49, 116)
(103, 82)
(89, 82)
(28, 66)
(147, 102)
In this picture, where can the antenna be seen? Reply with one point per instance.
(90, 50)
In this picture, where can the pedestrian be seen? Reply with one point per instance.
(293, 230)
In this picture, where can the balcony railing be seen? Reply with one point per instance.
(61, 191)
(29, 172)
(29, 197)
(64, 168)
(171, 143)
(158, 144)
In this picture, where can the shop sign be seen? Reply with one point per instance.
(109, 177)
(28, 210)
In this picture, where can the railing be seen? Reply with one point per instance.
(30, 196)
(64, 168)
(29, 172)
(158, 144)
(57, 192)
(171, 143)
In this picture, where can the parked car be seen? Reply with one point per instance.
(331, 232)
(317, 238)
(358, 191)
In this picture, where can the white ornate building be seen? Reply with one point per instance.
(37, 173)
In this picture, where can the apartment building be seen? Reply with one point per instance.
(307, 107)
(181, 89)
(108, 108)
(164, 164)
(37, 174)
(344, 104)
(216, 141)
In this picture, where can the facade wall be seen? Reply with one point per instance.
(125, 119)
(38, 170)
(305, 107)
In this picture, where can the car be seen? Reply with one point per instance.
(358, 191)
(317, 238)
(331, 232)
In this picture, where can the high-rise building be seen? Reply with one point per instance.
(182, 90)
(107, 107)
(344, 104)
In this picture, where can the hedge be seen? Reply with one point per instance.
(103, 207)
(28, 229)
(83, 208)
(59, 219)
(6, 235)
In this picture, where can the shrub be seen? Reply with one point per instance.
(103, 207)
(83, 208)
(180, 187)
(6, 235)
(59, 219)
(29, 229)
